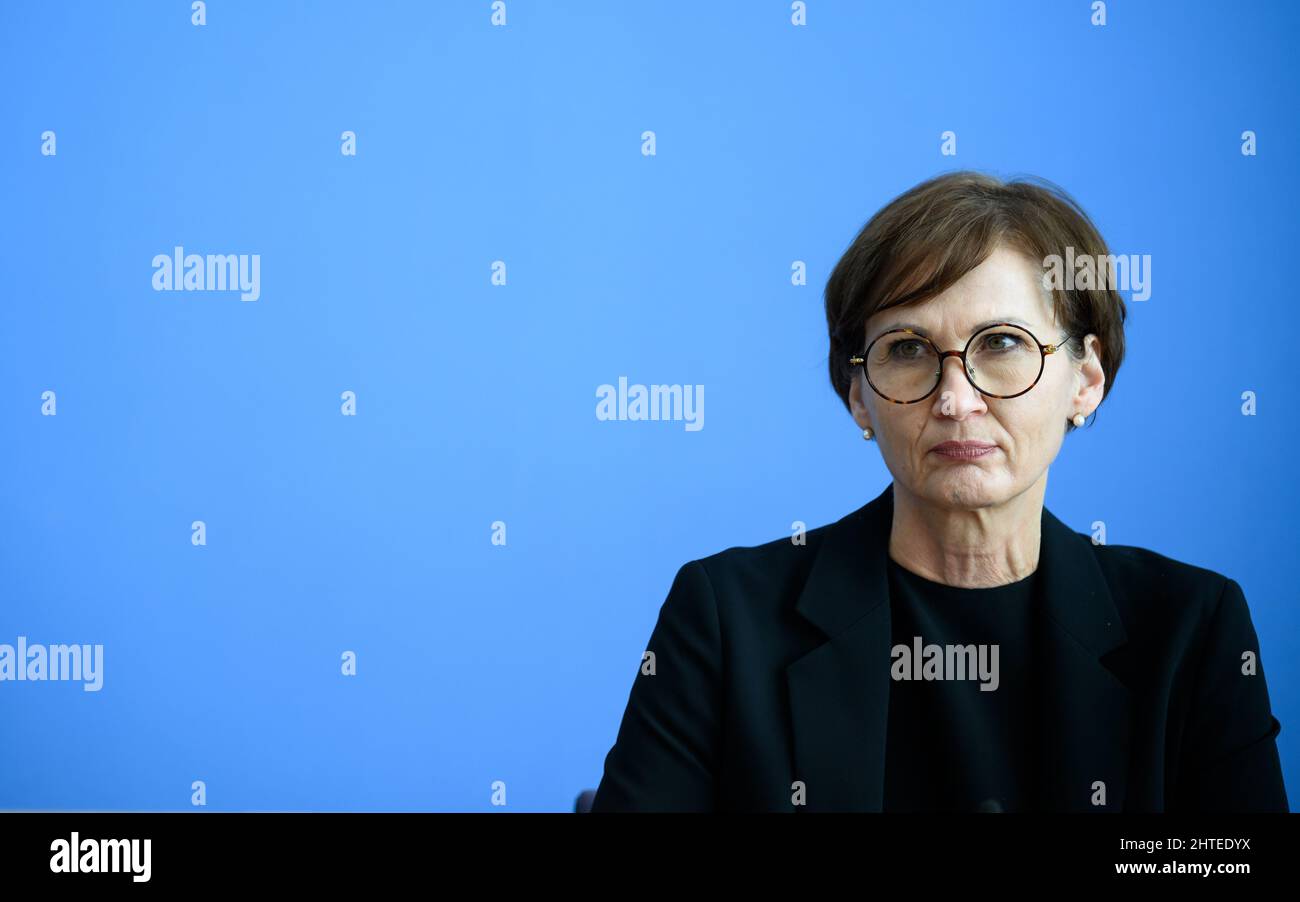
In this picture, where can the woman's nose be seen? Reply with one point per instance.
(954, 386)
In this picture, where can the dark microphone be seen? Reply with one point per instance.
(990, 806)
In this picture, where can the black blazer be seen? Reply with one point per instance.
(772, 666)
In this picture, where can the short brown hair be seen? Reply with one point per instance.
(930, 236)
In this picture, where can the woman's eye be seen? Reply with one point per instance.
(907, 349)
(1002, 342)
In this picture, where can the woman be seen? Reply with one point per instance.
(952, 645)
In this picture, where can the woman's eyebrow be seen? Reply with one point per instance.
(990, 322)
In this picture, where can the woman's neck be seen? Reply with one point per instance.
(979, 548)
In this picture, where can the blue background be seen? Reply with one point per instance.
(476, 402)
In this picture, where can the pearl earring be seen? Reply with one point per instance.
(1078, 420)
(867, 433)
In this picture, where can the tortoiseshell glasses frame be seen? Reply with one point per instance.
(1043, 350)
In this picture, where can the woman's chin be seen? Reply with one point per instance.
(966, 487)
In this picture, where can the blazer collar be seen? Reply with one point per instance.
(839, 691)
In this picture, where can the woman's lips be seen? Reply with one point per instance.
(963, 450)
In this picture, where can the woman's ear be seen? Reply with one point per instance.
(858, 404)
(1090, 377)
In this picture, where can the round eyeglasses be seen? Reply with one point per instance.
(1001, 360)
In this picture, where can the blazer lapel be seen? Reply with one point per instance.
(1084, 708)
(839, 691)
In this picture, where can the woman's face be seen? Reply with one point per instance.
(1026, 430)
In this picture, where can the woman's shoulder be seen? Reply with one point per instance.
(1140, 563)
(1143, 579)
(774, 564)
(755, 583)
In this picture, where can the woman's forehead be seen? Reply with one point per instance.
(1006, 287)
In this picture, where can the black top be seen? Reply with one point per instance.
(952, 745)
(771, 690)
